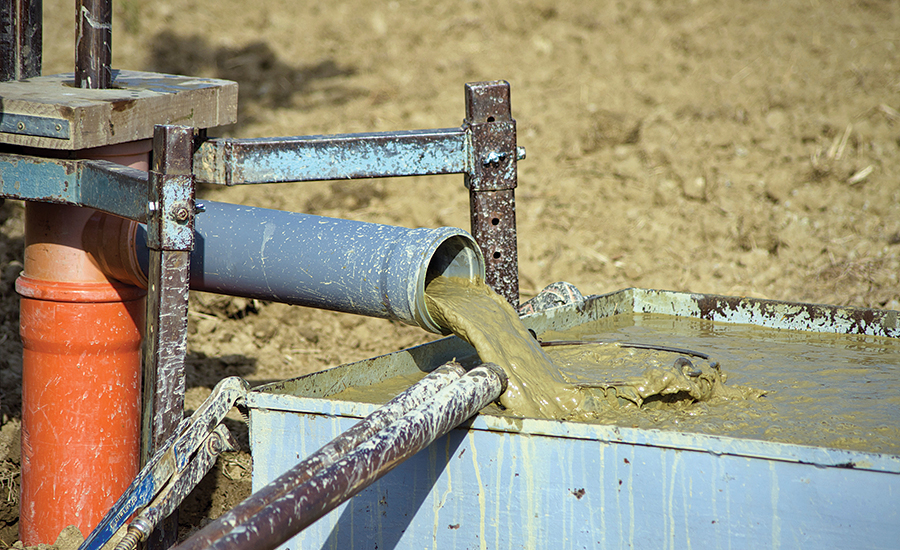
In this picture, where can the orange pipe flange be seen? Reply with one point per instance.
(81, 370)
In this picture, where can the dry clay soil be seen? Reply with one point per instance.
(739, 148)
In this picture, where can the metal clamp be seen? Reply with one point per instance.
(173, 471)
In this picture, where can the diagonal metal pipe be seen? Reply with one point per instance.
(327, 455)
(308, 501)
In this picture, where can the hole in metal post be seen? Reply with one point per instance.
(496, 255)
(490, 119)
(495, 221)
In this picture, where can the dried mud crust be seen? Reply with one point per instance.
(720, 147)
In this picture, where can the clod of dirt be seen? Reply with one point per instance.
(609, 129)
(10, 441)
(69, 538)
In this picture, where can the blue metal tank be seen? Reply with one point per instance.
(501, 482)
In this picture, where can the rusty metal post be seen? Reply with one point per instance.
(21, 29)
(169, 239)
(491, 180)
(93, 44)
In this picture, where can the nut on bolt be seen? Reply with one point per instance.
(181, 213)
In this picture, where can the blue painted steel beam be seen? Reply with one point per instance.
(333, 157)
(98, 184)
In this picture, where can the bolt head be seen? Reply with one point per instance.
(181, 214)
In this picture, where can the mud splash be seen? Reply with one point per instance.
(565, 385)
(482, 318)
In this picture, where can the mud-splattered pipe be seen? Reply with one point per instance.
(410, 398)
(368, 462)
(328, 263)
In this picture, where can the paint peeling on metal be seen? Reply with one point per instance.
(771, 313)
(327, 455)
(102, 185)
(331, 157)
(14, 123)
(368, 462)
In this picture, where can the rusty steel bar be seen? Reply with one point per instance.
(169, 239)
(93, 44)
(327, 455)
(491, 181)
(21, 29)
(300, 507)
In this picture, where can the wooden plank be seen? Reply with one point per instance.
(126, 112)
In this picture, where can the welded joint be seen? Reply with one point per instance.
(171, 208)
(213, 159)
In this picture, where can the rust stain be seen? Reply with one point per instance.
(123, 105)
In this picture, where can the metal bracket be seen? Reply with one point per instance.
(484, 150)
(28, 125)
(97, 184)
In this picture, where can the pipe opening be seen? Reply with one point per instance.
(458, 256)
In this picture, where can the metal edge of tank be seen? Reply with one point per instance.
(308, 394)
(724, 309)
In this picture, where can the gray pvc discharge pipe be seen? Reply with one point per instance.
(328, 263)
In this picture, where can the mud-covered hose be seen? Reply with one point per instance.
(302, 505)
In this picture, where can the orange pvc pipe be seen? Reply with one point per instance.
(81, 371)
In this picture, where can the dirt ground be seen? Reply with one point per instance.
(739, 148)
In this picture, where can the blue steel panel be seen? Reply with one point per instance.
(491, 489)
(32, 178)
(114, 188)
(525, 483)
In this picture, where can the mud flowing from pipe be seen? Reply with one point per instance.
(482, 318)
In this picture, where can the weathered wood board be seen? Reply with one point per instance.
(48, 112)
